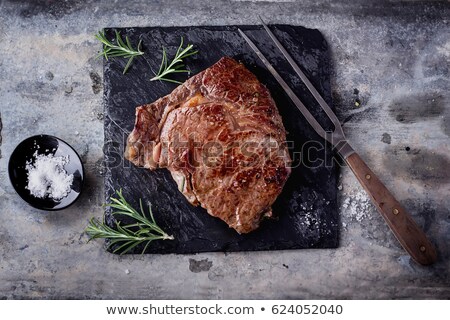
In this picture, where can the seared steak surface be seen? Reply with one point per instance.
(222, 138)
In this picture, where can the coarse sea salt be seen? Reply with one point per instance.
(358, 205)
(47, 177)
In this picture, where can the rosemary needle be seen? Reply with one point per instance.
(176, 66)
(119, 49)
(126, 237)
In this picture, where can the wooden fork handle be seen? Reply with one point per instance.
(408, 233)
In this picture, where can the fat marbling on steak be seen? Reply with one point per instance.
(222, 138)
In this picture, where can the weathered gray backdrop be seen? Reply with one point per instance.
(390, 87)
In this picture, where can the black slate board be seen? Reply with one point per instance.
(306, 209)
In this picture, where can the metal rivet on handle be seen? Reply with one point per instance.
(422, 248)
(395, 211)
(368, 176)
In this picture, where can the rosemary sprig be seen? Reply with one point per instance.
(176, 66)
(144, 230)
(119, 49)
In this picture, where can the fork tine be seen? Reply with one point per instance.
(309, 117)
(303, 77)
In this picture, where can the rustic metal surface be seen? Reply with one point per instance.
(390, 88)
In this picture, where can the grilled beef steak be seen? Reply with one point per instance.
(222, 138)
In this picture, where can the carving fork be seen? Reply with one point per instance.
(408, 233)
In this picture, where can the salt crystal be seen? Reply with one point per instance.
(47, 177)
(358, 205)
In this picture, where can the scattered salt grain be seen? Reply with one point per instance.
(358, 206)
(47, 177)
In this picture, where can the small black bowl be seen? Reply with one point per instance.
(45, 144)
